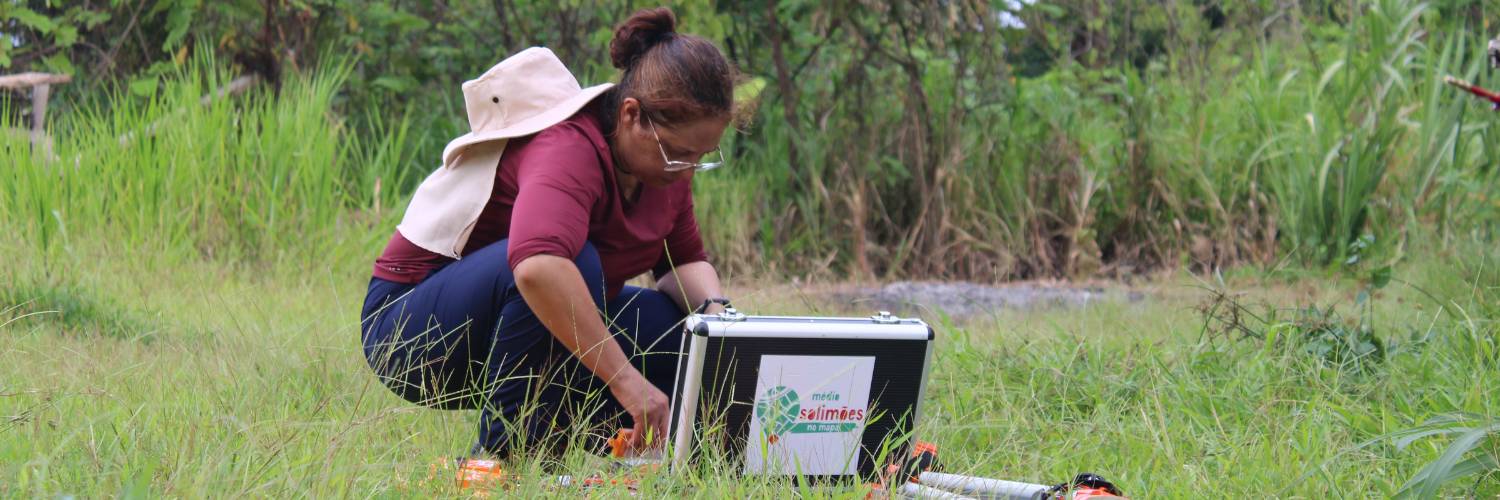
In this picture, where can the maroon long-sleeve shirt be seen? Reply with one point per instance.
(554, 191)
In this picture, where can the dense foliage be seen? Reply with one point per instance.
(960, 139)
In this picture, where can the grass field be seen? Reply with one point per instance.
(200, 380)
(180, 287)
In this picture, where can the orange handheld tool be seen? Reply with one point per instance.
(620, 444)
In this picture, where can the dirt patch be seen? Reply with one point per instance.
(963, 300)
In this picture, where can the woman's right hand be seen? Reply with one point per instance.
(648, 407)
(554, 289)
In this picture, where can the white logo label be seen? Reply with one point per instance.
(809, 414)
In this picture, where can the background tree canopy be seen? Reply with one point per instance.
(951, 139)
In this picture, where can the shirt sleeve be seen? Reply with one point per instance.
(558, 181)
(684, 244)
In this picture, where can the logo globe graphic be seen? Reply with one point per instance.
(777, 410)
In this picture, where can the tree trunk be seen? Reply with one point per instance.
(502, 9)
(784, 86)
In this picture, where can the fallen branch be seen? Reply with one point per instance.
(235, 86)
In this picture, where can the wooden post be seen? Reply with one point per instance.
(39, 95)
(41, 91)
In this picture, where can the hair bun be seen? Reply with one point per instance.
(643, 30)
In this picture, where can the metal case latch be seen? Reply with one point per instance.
(885, 318)
(731, 314)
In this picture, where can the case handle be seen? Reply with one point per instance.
(728, 314)
(712, 300)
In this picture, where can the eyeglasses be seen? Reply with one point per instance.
(678, 166)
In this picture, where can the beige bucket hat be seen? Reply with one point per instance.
(520, 96)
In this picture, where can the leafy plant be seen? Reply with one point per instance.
(1323, 334)
(36, 33)
(1474, 449)
(1319, 332)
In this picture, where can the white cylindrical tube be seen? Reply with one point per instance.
(916, 491)
(983, 487)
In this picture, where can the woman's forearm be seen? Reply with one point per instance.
(690, 284)
(556, 293)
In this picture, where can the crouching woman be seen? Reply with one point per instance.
(503, 287)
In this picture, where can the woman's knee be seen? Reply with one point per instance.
(653, 320)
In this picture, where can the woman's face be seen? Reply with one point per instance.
(637, 150)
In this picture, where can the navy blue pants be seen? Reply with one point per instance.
(464, 338)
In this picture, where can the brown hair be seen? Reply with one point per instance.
(676, 77)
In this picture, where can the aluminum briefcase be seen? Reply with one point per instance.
(824, 398)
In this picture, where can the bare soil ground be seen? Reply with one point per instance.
(958, 300)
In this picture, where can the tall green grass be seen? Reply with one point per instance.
(256, 178)
(254, 385)
(1346, 129)
(1285, 143)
